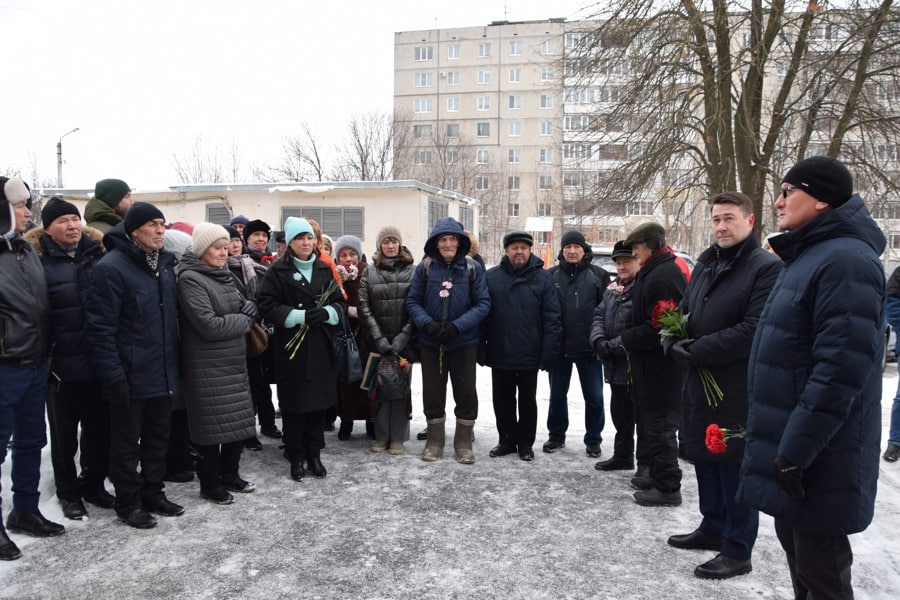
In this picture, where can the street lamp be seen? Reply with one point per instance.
(59, 179)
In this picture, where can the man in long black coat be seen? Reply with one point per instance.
(728, 288)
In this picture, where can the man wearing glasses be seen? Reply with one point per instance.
(813, 432)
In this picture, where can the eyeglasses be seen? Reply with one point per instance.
(786, 191)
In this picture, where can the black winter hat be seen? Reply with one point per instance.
(256, 225)
(140, 214)
(621, 249)
(824, 178)
(232, 232)
(517, 236)
(647, 232)
(572, 237)
(55, 208)
(111, 191)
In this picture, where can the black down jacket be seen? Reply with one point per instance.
(382, 299)
(611, 317)
(580, 288)
(24, 308)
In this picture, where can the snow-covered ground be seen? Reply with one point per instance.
(383, 526)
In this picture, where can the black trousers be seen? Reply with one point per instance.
(515, 432)
(459, 366)
(819, 564)
(220, 462)
(178, 456)
(621, 409)
(74, 403)
(304, 434)
(660, 424)
(261, 394)
(139, 434)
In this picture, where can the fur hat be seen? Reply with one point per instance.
(111, 191)
(140, 214)
(347, 241)
(517, 236)
(254, 226)
(12, 191)
(647, 232)
(205, 235)
(824, 178)
(388, 231)
(55, 208)
(621, 249)
(294, 226)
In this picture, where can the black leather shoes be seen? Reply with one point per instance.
(501, 450)
(73, 509)
(163, 507)
(345, 429)
(891, 453)
(236, 484)
(551, 446)
(615, 464)
(297, 472)
(422, 435)
(526, 454)
(253, 444)
(318, 469)
(641, 479)
(139, 519)
(657, 497)
(273, 433)
(99, 497)
(593, 450)
(722, 567)
(33, 524)
(8, 549)
(696, 540)
(217, 496)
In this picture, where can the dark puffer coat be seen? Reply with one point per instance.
(611, 317)
(132, 318)
(723, 301)
(24, 307)
(214, 355)
(523, 329)
(656, 379)
(580, 287)
(308, 382)
(815, 375)
(98, 215)
(382, 299)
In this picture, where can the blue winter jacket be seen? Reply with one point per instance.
(466, 305)
(815, 375)
(132, 318)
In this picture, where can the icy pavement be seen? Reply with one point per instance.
(382, 526)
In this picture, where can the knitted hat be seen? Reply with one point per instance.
(518, 236)
(55, 208)
(254, 226)
(176, 242)
(205, 235)
(232, 232)
(647, 232)
(388, 231)
(824, 178)
(240, 219)
(140, 214)
(621, 249)
(12, 191)
(294, 226)
(111, 191)
(572, 237)
(347, 241)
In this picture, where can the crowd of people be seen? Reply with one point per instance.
(757, 366)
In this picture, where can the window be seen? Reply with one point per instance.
(467, 217)
(611, 152)
(437, 209)
(513, 210)
(515, 48)
(482, 129)
(576, 151)
(608, 94)
(514, 155)
(579, 95)
(576, 122)
(515, 128)
(547, 47)
(453, 104)
(481, 183)
(546, 73)
(515, 102)
(544, 237)
(545, 182)
(544, 209)
(453, 51)
(423, 79)
(545, 155)
(424, 52)
(546, 100)
(452, 77)
(482, 156)
(217, 212)
(639, 208)
(422, 157)
(484, 49)
(484, 76)
(451, 156)
(572, 39)
(453, 183)
(453, 130)
(571, 179)
(484, 103)
(422, 105)
(515, 75)
(421, 131)
(513, 182)
(334, 221)
(546, 128)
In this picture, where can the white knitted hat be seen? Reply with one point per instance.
(205, 235)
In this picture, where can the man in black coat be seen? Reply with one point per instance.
(69, 253)
(656, 380)
(133, 335)
(522, 335)
(728, 288)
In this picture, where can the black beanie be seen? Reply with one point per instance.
(517, 236)
(140, 214)
(573, 237)
(824, 178)
(232, 232)
(256, 225)
(55, 208)
(111, 191)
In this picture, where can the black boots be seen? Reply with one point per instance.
(8, 549)
(316, 467)
(33, 524)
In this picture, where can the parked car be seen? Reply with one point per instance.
(603, 258)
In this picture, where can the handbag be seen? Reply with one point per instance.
(346, 354)
(257, 340)
(392, 381)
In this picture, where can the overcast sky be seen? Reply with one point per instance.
(143, 79)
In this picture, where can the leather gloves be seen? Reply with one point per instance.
(448, 332)
(433, 330)
(316, 316)
(680, 354)
(117, 393)
(790, 477)
(382, 346)
(603, 348)
(250, 309)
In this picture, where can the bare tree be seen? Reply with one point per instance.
(202, 163)
(695, 98)
(303, 158)
(366, 154)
